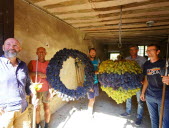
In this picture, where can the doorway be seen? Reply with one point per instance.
(6, 21)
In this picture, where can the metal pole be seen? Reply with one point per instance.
(35, 95)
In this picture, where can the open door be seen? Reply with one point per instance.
(6, 21)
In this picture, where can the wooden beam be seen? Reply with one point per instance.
(96, 13)
(134, 36)
(132, 29)
(116, 17)
(146, 33)
(35, 1)
(125, 21)
(93, 5)
(129, 39)
(129, 42)
(157, 35)
(49, 2)
(125, 26)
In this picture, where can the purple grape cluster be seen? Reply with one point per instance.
(127, 81)
(53, 72)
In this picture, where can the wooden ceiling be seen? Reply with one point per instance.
(100, 19)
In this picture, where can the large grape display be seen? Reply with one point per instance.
(53, 74)
(120, 79)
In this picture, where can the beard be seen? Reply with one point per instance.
(10, 54)
(92, 57)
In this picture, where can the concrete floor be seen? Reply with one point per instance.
(106, 115)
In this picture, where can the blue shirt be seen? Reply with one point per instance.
(153, 71)
(139, 59)
(95, 64)
(14, 85)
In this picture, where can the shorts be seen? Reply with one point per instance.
(16, 119)
(91, 95)
(43, 97)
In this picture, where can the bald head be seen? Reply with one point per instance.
(41, 49)
(41, 52)
(11, 47)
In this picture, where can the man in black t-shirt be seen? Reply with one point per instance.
(152, 87)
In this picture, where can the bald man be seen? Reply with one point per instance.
(14, 86)
(45, 92)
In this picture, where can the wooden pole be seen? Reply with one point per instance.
(80, 73)
(164, 90)
(77, 73)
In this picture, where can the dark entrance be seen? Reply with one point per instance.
(6, 21)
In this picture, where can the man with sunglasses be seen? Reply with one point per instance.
(153, 85)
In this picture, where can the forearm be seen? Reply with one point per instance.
(145, 85)
(1, 111)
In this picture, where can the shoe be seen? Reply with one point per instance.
(46, 125)
(124, 114)
(37, 125)
(138, 121)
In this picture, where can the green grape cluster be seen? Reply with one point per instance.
(120, 95)
(119, 67)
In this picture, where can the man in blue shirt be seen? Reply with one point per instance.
(14, 85)
(95, 89)
(140, 60)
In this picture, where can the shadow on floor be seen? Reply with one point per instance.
(106, 115)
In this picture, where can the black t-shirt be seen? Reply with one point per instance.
(153, 71)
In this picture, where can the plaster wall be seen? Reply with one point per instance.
(34, 28)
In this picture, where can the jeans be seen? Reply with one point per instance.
(154, 106)
(139, 108)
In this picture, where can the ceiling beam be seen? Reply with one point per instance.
(146, 33)
(50, 2)
(131, 30)
(116, 17)
(101, 4)
(125, 21)
(124, 26)
(145, 8)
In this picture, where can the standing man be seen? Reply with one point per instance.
(140, 60)
(153, 85)
(14, 85)
(44, 93)
(95, 89)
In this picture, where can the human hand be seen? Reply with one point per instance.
(49, 95)
(142, 97)
(96, 72)
(1, 111)
(35, 101)
(91, 90)
(34, 87)
(165, 80)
